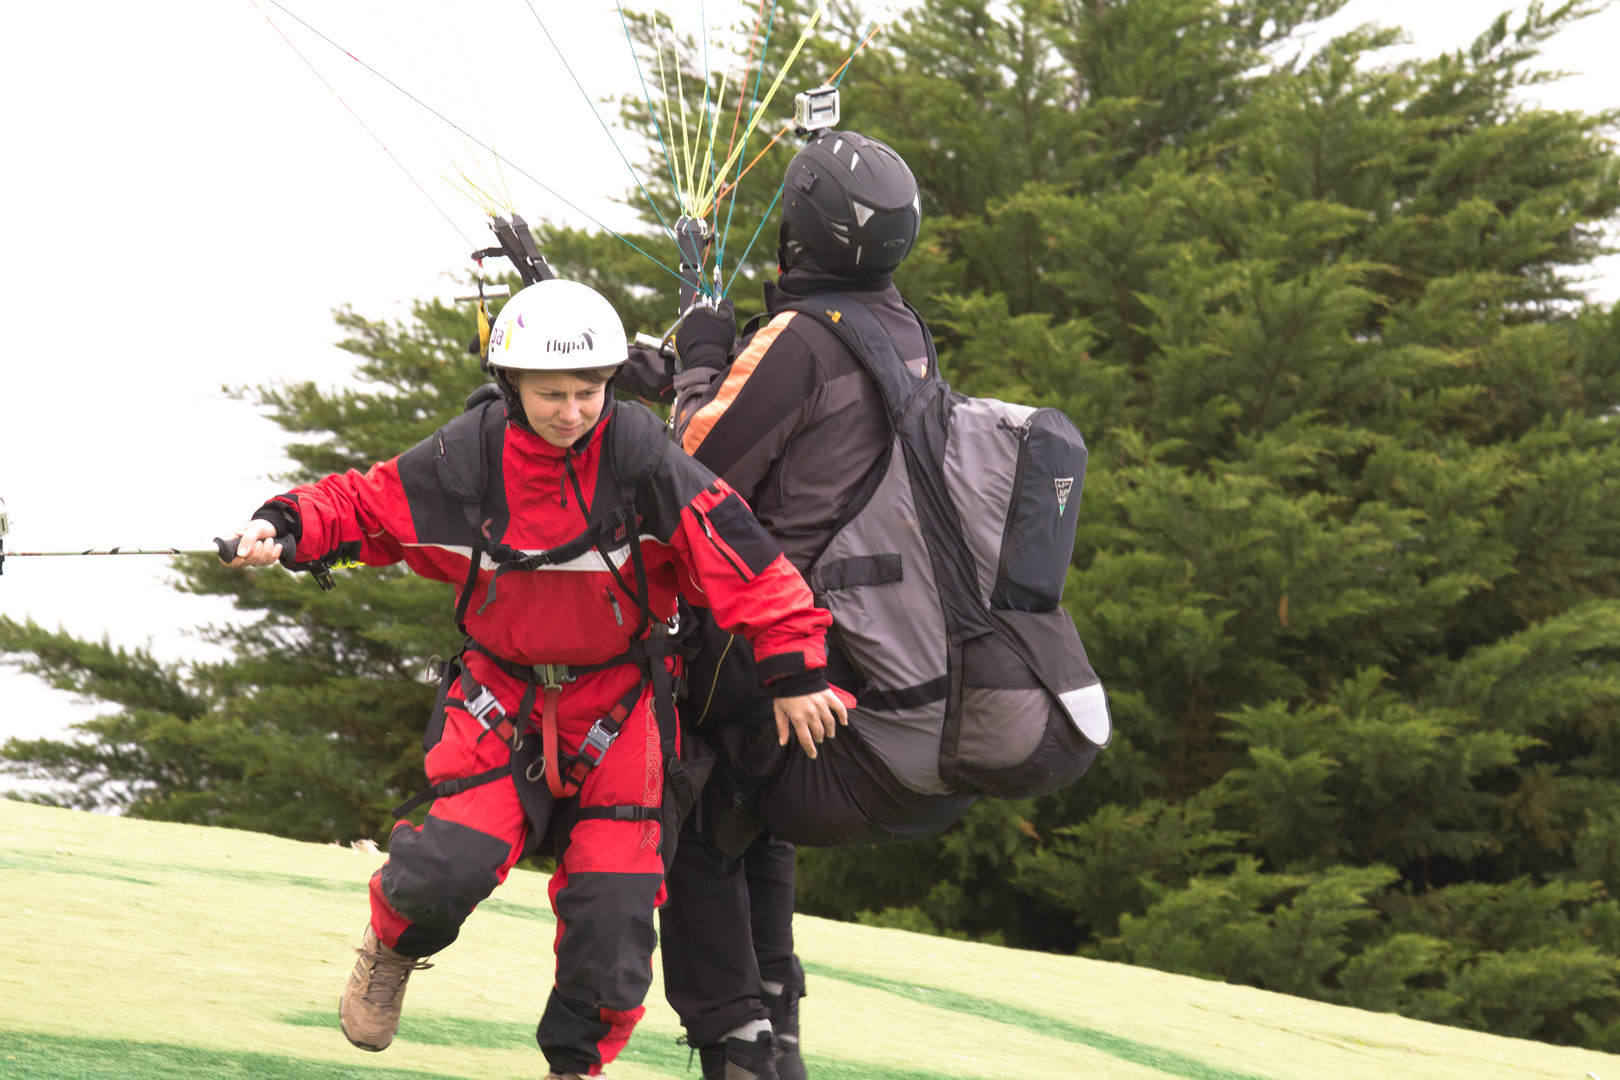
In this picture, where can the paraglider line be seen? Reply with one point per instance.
(469, 135)
(738, 269)
(731, 208)
(838, 74)
(605, 129)
(843, 69)
(647, 97)
(361, 122)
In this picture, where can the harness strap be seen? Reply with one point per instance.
(474, 559)
(548, 731)
(593, 538)
(480, 702)
(566, 779)
(620, 813)
(451, 787)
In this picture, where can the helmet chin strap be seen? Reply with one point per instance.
(516, 415)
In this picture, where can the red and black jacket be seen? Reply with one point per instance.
(697, 537)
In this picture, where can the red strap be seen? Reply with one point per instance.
(548, 729)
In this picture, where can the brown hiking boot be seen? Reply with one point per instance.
(369, 1011)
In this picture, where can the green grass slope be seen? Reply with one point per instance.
(135, 949)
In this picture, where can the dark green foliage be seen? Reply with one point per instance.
(1349, 555)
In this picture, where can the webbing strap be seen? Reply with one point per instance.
(508, 559)
(548, 731)
(474, 559)
(619, 813)
(451, 787)
(566, 779)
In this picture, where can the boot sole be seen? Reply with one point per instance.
(355, 1042)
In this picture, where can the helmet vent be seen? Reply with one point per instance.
(863, 214)
(837, 146)
(854, 160)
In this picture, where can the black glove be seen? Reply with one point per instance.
(706, 335)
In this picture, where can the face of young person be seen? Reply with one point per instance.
(560, 406)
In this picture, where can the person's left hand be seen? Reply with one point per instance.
(811, 717)
(706, 334)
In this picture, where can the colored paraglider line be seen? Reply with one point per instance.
(698, 198)
(706, 198)
(475, 194)
(774, 140)
(433, 202)
(467, 134)
(843, 69)
(738, 268)
(605, 129)
(652, 113)
(703, 29)
(759, 75)
(839, 75)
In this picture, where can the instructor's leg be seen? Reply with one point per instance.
(606, 887)
(711, 975)
(768, 866)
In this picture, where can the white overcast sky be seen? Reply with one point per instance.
(186, 203)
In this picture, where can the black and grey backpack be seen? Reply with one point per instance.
(944, 578)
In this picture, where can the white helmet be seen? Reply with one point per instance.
(557, 325)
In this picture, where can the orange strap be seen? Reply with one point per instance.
(548, 729)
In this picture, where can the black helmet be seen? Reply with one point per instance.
(850, 207)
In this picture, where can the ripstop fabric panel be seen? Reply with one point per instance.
(907, 741)
(893, 630)
(1001, 728)
(981, 455)
(1039, 539)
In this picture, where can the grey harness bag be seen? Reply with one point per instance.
(944, 578)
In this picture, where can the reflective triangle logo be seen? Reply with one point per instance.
(1064, 485)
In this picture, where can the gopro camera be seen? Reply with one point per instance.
(816, 110)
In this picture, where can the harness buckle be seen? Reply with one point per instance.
(597, 740)
(552, 676)
(483, 704)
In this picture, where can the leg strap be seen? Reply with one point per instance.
(451, 787)
(565, 780)
(619, 813)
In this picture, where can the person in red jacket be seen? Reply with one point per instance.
(570, 527)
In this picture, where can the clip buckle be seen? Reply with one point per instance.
(484, 704)
(552, 676)
(598, 739)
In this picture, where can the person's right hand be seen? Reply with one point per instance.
(257, 546)
(706, 334)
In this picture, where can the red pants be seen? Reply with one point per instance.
(605, 889)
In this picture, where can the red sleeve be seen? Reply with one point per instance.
(352, 515)
(729, 564)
